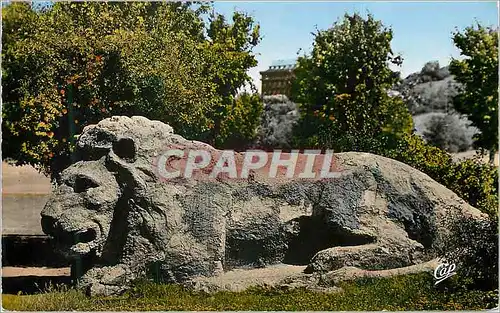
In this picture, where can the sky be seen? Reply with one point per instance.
(422, 30)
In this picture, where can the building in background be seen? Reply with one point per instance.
(277, 80)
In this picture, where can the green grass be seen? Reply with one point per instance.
(412, 292)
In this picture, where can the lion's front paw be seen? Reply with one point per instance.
(107, 280)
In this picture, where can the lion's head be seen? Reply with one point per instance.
(79, 213)
(111, 208)
(86, 204)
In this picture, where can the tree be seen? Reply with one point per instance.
(238, 129)
(230, 57)
(478, 77)
(68, 65)
(342, 87)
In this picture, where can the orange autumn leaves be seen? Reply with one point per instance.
(323, 115)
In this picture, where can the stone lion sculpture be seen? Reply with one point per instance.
(115, 217)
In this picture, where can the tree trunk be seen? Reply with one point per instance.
(215, 133)
(492, 157)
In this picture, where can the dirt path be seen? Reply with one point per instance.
(34, 271)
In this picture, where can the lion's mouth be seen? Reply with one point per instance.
(76, 243)
(76, 237)
(79, 242)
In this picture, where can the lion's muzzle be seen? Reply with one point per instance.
(72, 242)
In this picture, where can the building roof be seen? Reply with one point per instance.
(284, 62)
(288, 64)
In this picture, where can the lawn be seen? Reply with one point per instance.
(411, 292)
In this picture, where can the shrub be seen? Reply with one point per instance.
(446, 132)
(475, 182)
(240, 126)
(472, 245)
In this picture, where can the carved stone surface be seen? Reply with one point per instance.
(119, 220)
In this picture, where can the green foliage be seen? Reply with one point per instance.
(413, 151)
(342, 88)
(476, 183)
(229, 58)
(239, 127)
(472, 245)
(411, 292)
(158, 60)
(478, 75)
(343, 85)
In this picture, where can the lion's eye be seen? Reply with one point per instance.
(83, 184)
